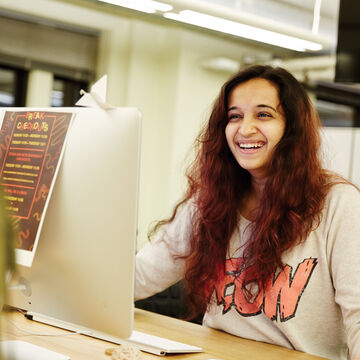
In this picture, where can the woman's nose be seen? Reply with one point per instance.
(247, 127)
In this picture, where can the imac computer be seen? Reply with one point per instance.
(81, 277)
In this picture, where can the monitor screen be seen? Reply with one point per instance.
(83, 270)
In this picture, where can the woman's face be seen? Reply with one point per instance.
(255, 124)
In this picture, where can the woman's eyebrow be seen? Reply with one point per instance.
(258, 106)
(232, 108)
(267, 106)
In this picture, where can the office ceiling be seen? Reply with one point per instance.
(300, 14)
(312, 20)
(296, 18)
(329, 8)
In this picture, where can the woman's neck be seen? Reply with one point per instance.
(257, 186)
(252, 199)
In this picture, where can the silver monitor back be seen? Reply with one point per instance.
(83, 269)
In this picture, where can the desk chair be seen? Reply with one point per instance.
(170, 302)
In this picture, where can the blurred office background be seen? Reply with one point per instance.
(169, 59)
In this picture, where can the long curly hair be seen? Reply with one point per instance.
(292, 200)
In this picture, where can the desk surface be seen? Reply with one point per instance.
(216, 344)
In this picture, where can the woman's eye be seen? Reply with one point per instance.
(264, 115)
(234, 117)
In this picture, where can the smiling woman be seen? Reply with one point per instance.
(265, 239)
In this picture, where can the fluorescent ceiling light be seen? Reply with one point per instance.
(148, 6)
(242, 30)
(316, 17)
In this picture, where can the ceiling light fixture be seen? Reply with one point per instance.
(147, 6)
(316, 17)
(242, 30)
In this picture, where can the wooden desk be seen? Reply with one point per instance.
(216, 344)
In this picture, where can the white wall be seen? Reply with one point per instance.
(157, 68)
(355, 174)
(341, 151)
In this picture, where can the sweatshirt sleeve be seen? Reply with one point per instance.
(159, 263)
(344, 240)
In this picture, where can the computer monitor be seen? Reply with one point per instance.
(82, 273)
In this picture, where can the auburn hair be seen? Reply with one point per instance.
(292, 200)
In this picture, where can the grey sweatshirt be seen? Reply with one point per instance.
(311, 305)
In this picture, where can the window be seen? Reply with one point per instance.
(13, 83)
(66, 92)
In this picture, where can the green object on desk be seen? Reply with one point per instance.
(7, 237)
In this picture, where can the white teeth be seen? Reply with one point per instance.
(251, 146)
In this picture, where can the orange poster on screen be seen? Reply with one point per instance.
(31, 145)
